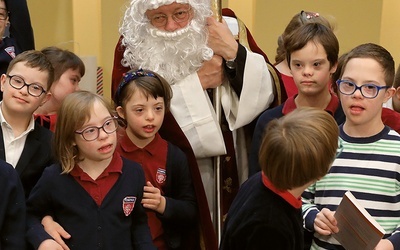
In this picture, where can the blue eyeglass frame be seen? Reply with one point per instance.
(338, 82)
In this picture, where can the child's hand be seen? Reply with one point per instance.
(384, 244)
(152, 198)
(50, 245)
(325, 223)
(55, 231)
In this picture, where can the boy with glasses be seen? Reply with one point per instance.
(25, 144)
(369, 165)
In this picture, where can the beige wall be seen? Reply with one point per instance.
(86, 27)
(90, 27)
(354, 25)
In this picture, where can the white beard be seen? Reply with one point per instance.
(173, 55)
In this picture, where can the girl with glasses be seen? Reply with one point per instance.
(93, 193)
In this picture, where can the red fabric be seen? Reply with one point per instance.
(47, 121)
(153, 157)
(391, 118)
(254, 48)
(295, 202)
(118, 69)
(290, 105)
(171, 131)
(99, 188)
(290, 86)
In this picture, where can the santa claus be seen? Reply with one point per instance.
(180, 40)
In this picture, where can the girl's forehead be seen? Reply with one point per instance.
(97, 113)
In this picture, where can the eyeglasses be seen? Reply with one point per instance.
(4, 14)
(306, 16)
(18, 82)
(180, 16)
(93, 132)
(368, 90)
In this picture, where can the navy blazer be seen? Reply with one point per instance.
(35, 157)
(12, 209)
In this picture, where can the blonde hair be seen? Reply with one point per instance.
(299, 147)
(73, 113)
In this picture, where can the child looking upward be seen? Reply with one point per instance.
(142, 99)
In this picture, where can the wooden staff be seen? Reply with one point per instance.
(216, 7)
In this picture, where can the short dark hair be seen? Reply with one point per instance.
(34, 59)
(63, 60)
(299, 148)
(298, 20)
(146, 81)
(315, 32)
(376, 52)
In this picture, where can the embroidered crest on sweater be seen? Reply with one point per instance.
(161, 175)
(128, 204)
(11, 51)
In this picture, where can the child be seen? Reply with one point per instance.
(297, 150)
(394, 102)
(369, 165)
(68, 72)
(281, 64)
(25, 144)
(142, 99)
(389, 116)
(312, 53)
(93, 193)
(12, 209)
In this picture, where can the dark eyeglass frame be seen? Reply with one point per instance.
(82, 132)
(6, 12)
(29, 86)
(340, 81)
(176, 19)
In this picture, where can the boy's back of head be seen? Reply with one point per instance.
(299, 147)
(317, 33)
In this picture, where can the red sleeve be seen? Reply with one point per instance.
(118, 69)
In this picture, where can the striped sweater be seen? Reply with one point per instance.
(370, 169)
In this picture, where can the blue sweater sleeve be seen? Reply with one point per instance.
(12, 209)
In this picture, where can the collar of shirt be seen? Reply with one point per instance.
(288, 197)
(128, 146)
(5, 124)
(115, 166)
(290, 105)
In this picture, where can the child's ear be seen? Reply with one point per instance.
(120, 112)
(397, 93)
(46, 98)
(3, 81)
(333, 68)
(389, 93)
